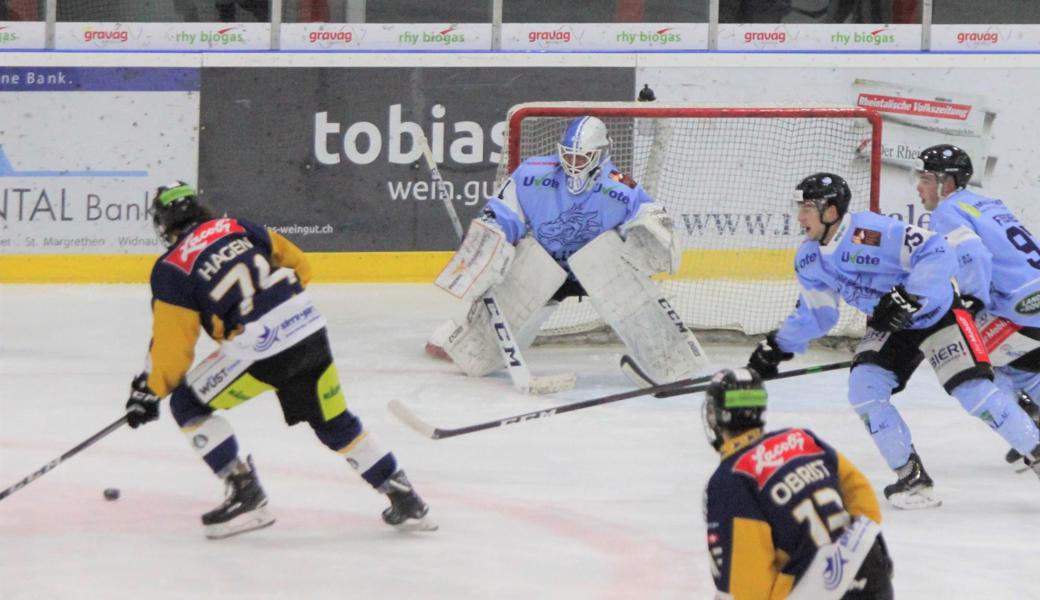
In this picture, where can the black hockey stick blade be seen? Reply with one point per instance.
(638, 376)
(782, 375)
(57, 461)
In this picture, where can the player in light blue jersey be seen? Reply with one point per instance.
(569, 224)
(999, 267)
(899, 275)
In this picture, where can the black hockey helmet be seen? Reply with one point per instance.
(945, 160)
(734, 401)
(823, 190)
(175, 206)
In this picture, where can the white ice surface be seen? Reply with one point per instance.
(600, 503)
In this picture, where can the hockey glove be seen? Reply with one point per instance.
(143, 405)
(894, 310)
(972, 304)
(767, 356)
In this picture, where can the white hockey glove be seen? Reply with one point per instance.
(650, 241)
(480, 262)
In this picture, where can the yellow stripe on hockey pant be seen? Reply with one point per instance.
(330, 394)
(345, 450)
(242, 389)
(369, 267)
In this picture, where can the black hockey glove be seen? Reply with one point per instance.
(972, 304)
(894, 310)
(767, 356)
(143, 405)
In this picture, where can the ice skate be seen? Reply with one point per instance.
(1032, 461)
(407, 510)
(914, 488)
(1014, 456)
(244, 509)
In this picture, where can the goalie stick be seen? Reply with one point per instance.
(679, 388)
(508, 346)
(57, 461)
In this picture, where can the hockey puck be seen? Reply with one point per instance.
(112, 494)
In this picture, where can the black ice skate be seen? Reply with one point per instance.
(1014, 456)
(1033, 460)
(913, 490)
(245, 507)
(407, 510)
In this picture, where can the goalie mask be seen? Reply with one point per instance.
(734, 401)
(175, 207)
(582, 151)
(936, 164)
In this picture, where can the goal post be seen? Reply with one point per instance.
(727, 176)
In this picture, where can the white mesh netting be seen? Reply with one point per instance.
(727, 175)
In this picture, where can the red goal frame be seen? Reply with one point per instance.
(517, 117)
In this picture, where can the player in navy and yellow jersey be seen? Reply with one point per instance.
(788, 516)
(244, 285)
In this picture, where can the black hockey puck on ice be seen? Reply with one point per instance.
(112, 494)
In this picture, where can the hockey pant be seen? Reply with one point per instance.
(304, 379)
(529, 283)
(884, 362)
(631, 303)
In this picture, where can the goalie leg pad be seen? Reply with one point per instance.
(634, 308)
(531, 281)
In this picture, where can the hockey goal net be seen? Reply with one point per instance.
(727, 176)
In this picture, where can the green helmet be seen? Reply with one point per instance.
(175, 207)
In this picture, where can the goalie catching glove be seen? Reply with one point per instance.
(143, 405)
(894, 310)
(650, 242)
(767, 356)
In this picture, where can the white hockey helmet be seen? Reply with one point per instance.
(582, 150)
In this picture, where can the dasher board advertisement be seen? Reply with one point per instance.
(557, 37)
(329, 156)
(386, 36)
(780, 37)
(79, 181)
(163, 36)
(20, 35)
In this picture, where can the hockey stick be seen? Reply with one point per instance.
(508, 346)
(57, 461)
(439, 185)
(409, 418)
(793, 373)
(639, 377)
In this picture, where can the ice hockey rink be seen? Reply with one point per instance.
(600, 503)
